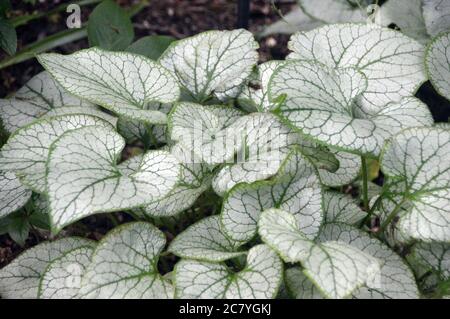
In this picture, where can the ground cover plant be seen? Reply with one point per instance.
(231, 177)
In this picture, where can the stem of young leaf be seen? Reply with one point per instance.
(149, 139)
(365, 178)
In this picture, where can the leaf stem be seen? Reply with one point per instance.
(391, 216)
(365, 183)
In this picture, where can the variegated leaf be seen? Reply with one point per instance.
(20, 279)
(337, 269)
(124, 265)
(321, 102)
(83, 177)
(27, 149)
(260, 279)
(213, 63)
(205, 241)
(40, 95)
(124, 83)
(421, 158)
(296, 189)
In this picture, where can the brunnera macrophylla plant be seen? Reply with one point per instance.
(261, 155)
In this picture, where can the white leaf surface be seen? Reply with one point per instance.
(437, 16)
(255, 96)
(27, 149)
(299, 286)
(420, 157)
(434, 256)
(13, 195)
(205, 130)
(333, 11)
(195, 179)
(20, 279)
(40, 95)
(260, 279)
(437, 61)
(212, 63)
(348, 170)
(205, 241)
(336, 268)
(391, 61)
(296, 189)
(124, 265)
(70, 110)
(395, 279)
(406, 15)
(341, 208)
(62, 277)
(133, 130)
(321, 102)
(124, 83)
(266, 144)
(83, 177)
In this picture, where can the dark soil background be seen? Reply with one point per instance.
(177, 18)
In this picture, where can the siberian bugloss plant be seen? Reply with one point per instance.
(278, 143)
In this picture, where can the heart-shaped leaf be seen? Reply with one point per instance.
(336, 268)
(20, 279)
(437, 61)
(13, 195)
(124, 83)
(260, 278)
(40, 95)
(435, 13)
(296, 189)
(392, 63)
(205, 241)
(420, 158)
(125, 265)
(83, 177)
(27, 149)
(321, 102)
(394, 280)
(212, 63)
(62, 277)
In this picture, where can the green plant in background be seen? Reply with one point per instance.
(272, 217)
(109, 26)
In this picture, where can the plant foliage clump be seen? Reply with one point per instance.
(257, 161)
